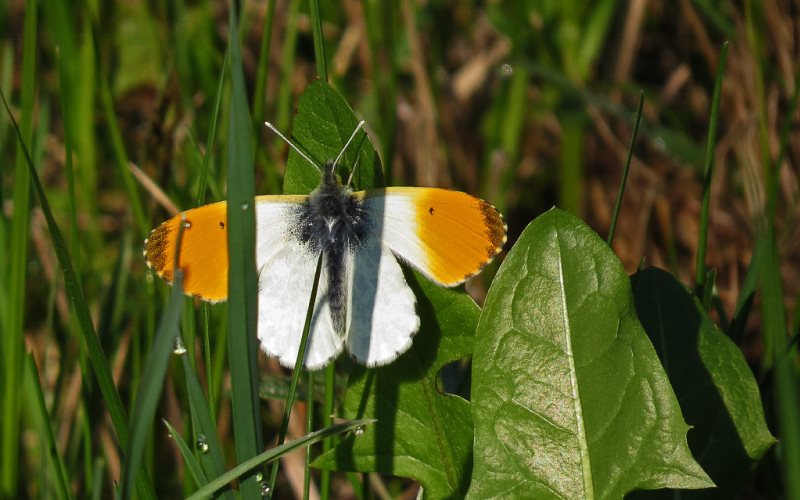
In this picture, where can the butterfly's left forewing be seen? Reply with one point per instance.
(449, 236)
(203, 256)
(203, 252)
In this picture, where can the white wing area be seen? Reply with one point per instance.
(286, 276)
(381, 317)
(394, 216)
(381, 307)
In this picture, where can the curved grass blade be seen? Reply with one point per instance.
(319, 40)
(260, 91)
(17, 275)
(78, 300)
(121, 156)
(708, 171)
(45, 424)
(152, 383)
(624, 180)
(275, 453)
(787, 385)
(242, 275)
(188, 458)
(298, 367)
(213, 460)
(212, 135)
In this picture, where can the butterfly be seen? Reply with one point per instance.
(363, 301)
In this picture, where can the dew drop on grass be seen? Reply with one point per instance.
(358, 431)
(179, 347)
(259, 477)
(507, 69)
(187, 224)
(266, 489)
(202, 444)
(245, 206)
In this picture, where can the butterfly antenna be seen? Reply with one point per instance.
(292, 145)
(352, 136)
(353, 171)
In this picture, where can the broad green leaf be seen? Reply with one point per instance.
(420, 432)
(322, 126)
(715, 387)
(569, 397)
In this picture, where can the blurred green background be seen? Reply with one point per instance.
(528, 104)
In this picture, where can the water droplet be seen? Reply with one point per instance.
(245, 206)
(179, 347)
(660, 143)
(187, 224)
(266, 489)
(202, 444)
(358, 431)
(507, 69)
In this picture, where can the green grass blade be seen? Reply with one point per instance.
(593, 35)
(152, 383)
(275, 453)
(114, 296)
(708, 289)
(708, 170)
(327, 420)
(212, 136)
(38, 409)
(242, 275)
(78, 300)
(773, 173)
(97, 484)
(747, 293)
(260, 93)
(191, 463)
(319, 40)
(322, 73)
(20, 226)
(787, 392)
(298, 367)
(309, 427)
(121, 160)
(716, 16)
(381, 23)
(211, 458)
(284, 100)
(205, 319)
(624, 180)
(570, 190)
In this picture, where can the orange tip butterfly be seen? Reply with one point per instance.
(363, 301)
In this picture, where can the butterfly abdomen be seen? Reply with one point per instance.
(334, 222)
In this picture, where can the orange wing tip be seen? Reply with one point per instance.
(157, 252)
(159, 255)
(496, 233)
